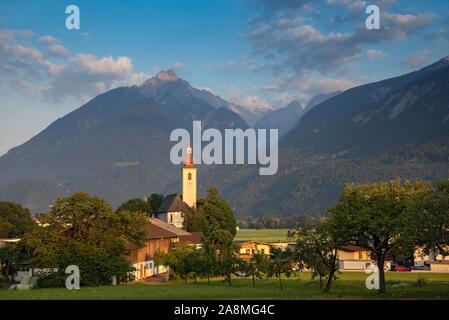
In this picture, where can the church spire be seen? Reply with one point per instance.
(188, 162)
(189, 179)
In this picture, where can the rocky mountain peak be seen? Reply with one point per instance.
(168, 75)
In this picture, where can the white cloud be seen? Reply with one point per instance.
(248, 102)
(376, 54)
(417, 60)
(408, 22)
(178, 65)
(82, 76)
(104, 66)
(48, 39)
(58, 50)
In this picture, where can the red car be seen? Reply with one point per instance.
(402, 269)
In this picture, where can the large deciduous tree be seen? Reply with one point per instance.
(85, 231)
(432, 221)
(15, 221)
(218, 214)
(379, 216)
(136, 205)
(317, 250)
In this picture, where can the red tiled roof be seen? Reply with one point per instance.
(157, 228)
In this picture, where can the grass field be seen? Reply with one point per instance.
(348, 286)
(266, 235)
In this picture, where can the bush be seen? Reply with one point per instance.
(51, 279)
(97, 270)
(421, 282)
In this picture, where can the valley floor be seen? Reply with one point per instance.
(348, 286)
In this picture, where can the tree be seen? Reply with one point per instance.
(432, 221)
(254, 266)
(221, 243)
(228, 266)
(207, 263)
(155, 201)
(136, 205)
(217, 213)
(85, 231)
(317, 250)
(195, 221)
(11, 256)
(281, 263)
(178, 260)
(379, 216)
(15, 221)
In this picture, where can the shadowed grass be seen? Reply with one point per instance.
(348, 286)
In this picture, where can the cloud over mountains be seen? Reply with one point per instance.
(52, 73)
(293, 37)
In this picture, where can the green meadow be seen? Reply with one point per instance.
(347, 286)
(265, 235)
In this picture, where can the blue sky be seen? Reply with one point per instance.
(257, 53)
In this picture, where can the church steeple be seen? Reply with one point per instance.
(189, 179)
(189, 157)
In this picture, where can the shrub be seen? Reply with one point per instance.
(421, 282)
(51, 279)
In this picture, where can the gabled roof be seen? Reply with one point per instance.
(173, 203)
(157, 228)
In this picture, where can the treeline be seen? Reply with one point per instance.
(269, 222)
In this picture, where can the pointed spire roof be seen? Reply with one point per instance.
(188, 162)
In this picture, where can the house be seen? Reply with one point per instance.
(283, 246)
(353, 258)
(160, 237)
(436, 262)
(422, 258)
(3, 242)
(441, 266)
(248, 249)
(173, 206)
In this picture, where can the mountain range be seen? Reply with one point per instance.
(117, 145)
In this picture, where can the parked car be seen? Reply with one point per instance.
(421, 268)
(402, 269)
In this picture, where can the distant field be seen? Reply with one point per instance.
(347, 286)
(266, 235)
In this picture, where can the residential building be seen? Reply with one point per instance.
(248, 249)
(353, 258)
(160, 237)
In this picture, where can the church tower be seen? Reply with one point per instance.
(189, 179)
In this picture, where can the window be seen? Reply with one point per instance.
(360, 255)
(171, 218)
(189, 176)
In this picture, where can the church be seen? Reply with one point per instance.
(173, 205)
